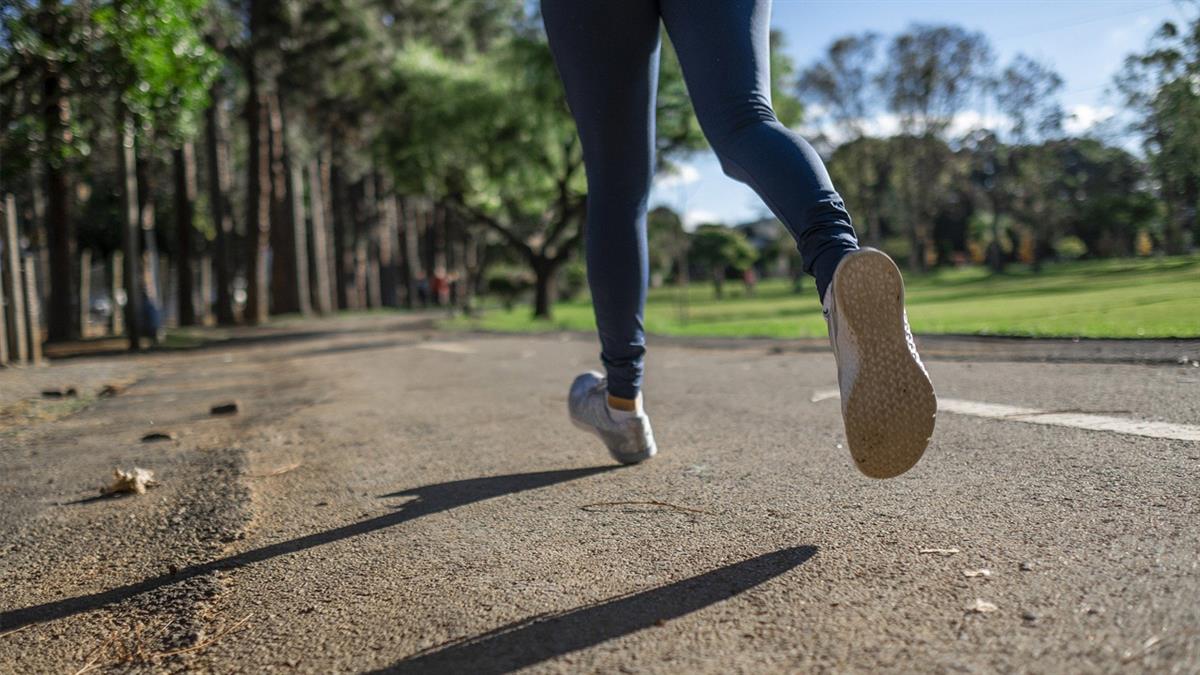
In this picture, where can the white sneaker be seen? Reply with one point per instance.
(888, 404)
(627, 436)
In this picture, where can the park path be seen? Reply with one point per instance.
(394, 498)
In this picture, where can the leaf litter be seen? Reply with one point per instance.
(136, 481)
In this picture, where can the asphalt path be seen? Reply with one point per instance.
(391, 498)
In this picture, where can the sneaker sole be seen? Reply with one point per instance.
(890, 412)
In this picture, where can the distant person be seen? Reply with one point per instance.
(750, 280)
(440, 287)
(422, 290)
(607, 55)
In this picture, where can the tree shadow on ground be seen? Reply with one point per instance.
(539, 638)
(429, 500)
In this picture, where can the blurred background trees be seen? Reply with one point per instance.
(210, 161)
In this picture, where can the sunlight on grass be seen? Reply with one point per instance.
(1109, 298)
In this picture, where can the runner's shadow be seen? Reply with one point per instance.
(430, 499)
(539, 638)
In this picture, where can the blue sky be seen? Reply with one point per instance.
(1084, 40)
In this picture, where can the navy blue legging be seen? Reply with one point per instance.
(606, 52)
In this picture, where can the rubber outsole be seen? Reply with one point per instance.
(890, 411)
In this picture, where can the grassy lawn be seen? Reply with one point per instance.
(1108, 298)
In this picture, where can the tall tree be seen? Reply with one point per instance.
(220, 209)
(1162, 86)
(258, 62)
(183, 161)
(719, 249)
(932, 73)
(1026, 94)
(45, 56)
(843, 84)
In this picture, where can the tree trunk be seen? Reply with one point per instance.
(882, 184)
(85, 289)
(151, 281)
(917, 202)
(388, 244)
(56, 116)
(219, 211)
(13, 283)
(341, 253)
(322, 292)
(258, 200)
(33, 319)
(544, 287)
(299, 234)
(130, 234)
(116, 286)
(412, 258)
(429, 248)
(994, 251)
(184, 161)
(1192, 198)
(371, 236)
(285, 288)
(360, 265)
(206, 290)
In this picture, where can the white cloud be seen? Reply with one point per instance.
(695, 217)
(1081, 118)
(683, 174)
(1129, 32)
(887, 124)
(969, 120)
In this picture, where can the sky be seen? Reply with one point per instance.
(1085, 41)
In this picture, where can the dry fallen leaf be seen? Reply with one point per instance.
(135, 480)
(939, 551)
(982, 607)
(977, 573)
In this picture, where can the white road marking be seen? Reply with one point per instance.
(1076, 420)
(447, 347)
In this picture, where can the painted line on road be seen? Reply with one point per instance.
(447, 347)
(1076, 420)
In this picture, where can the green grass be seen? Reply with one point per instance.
(1109, 298)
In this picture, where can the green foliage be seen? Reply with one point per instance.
(572, 280)
(508, 283)
(719, 248)
(1070, 248)
(667, 240)
(1162, 85)
(163, 66)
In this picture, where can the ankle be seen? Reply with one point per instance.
(625, 404)
(624, 408)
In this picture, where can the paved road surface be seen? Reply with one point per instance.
(398, 500)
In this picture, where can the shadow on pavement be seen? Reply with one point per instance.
(430, 499)
(536, 639)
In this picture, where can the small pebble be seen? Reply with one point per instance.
(1026, 567)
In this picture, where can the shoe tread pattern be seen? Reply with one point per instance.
(890, 412)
